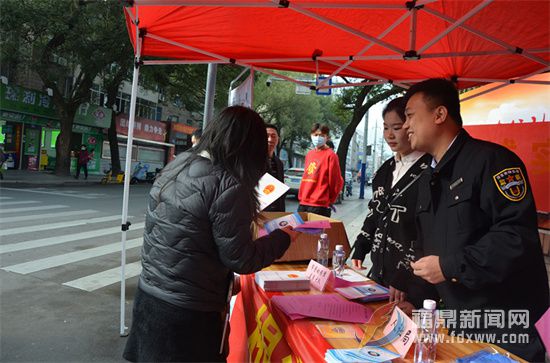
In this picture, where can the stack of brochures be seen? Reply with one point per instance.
(364, 293)
(282, 280)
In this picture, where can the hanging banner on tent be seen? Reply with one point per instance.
(242, 95)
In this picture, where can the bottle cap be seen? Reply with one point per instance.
(323, 236)
(429, 304)
(339, 247)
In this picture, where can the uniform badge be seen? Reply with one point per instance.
(511, 183)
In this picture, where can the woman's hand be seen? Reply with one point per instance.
(357, 264)
(291, 233)
(397, 295)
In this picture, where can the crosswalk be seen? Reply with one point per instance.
(76, 248)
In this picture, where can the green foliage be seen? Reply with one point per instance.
(295, 114)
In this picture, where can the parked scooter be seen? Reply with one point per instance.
(140, 173)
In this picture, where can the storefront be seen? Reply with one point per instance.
(180, 135)
(29, 127)
(149, 146)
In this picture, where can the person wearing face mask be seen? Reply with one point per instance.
(389, 231)
(322, 180)
(82, 163)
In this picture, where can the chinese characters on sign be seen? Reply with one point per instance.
(143, 128)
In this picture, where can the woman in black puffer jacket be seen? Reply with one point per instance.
(197, 233)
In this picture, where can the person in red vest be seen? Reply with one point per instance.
(82, 162)
(322, 180)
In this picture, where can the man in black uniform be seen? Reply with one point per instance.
(477, 226)
(274, 166)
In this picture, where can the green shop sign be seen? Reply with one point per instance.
(19, 99)
(92, 115)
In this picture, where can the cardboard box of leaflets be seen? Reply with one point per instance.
(305, 246)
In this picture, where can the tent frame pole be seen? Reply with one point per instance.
(455, 25)
(127, 176)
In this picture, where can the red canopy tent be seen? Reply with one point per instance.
(471, 42)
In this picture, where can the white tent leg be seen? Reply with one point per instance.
(127, 177)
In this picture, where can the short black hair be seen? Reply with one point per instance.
(197, 133)
(330, 144)
(317, 126)
(398, 106)
(439, 92)
(271, 126)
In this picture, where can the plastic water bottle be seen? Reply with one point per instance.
(338, 260)
(426, 339)
(322, 249)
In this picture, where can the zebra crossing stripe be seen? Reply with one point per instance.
(71, 257)
(34, 217)
(4, 198)
(50, 241)
(105, 278)
(3, 204)
(54, 192)
(45, 227)
(29, 209)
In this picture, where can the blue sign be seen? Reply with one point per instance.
(324, 91)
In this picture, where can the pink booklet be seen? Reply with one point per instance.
(325, 306)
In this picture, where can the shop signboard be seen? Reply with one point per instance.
(92, 115)
(143, 128)
(18, 99)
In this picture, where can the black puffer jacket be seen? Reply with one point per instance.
(197, 232)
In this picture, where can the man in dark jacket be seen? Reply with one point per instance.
(477, 227)
(274, 166)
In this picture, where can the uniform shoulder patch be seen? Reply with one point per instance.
(511, 183)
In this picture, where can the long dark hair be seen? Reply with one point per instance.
(236, 140)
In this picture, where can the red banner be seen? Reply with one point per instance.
(143, 128)
(531, 142)
(267, 333)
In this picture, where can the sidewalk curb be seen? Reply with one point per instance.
(26, 183)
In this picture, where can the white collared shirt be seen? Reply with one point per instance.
(403, 164)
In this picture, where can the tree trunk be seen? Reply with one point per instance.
(63, 143)
(113, 145)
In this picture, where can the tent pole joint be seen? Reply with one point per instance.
(519, 50)
(284, 4)
(125, 226)
(412, 5)
(128, 3)
(232, 60)
(411, 55)
(138, 63)
(454, 79)
(316, 53)
(142, 32)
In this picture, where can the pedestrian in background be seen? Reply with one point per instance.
(389, 232)
(322, 180)
(82, 162)
(274, 166)
(196, 137)
(197, 234)
(477, 225)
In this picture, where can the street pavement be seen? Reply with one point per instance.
(60, 265)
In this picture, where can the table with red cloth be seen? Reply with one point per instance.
(262, 333)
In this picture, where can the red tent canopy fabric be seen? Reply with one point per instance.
(474, 42)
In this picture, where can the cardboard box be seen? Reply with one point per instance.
(305, 246)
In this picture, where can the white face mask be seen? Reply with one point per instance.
(318, 141)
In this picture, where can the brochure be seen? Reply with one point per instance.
(269, 190)
(364, 293)
(282, 280)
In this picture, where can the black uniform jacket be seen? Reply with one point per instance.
(476, 212)
(389, 231)
(275, 168)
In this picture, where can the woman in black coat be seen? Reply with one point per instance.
(389, 231)
(197, 234)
